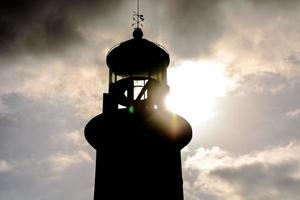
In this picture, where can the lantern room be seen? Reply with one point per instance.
(137, 72)
(137, 57)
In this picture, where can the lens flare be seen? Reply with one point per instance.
(195, 87)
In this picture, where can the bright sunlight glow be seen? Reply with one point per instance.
(195, 87)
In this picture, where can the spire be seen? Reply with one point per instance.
(137, 17)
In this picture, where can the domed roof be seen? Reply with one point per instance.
(136, 56)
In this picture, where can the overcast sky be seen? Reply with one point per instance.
(53, 74)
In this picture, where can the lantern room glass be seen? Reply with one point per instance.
(160, 76)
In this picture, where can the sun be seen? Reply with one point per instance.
(195, 87)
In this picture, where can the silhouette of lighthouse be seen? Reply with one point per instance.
(137, 140)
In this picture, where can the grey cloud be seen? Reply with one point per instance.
(32, 181)
(268, 174)
(26, 128)
(263, 181)
(189, 28)
(38, 27)
(253, 116)
(26, 145)
(275, 3)
(193, 26)
(250, 118)
(261, 35)
(294, 60)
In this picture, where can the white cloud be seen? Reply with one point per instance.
(269, 174)
(78, 83)
(80, 86)
(60, 162)
(258, 40)
(294, 113)
(75, 137)
(5, 166)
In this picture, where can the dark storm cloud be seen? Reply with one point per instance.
(193, 26)
(47, 26)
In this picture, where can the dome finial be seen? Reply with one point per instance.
(137, 33)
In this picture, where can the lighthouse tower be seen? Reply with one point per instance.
(137, 140)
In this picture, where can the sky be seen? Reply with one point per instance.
(234, 74)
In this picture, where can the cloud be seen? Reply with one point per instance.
(262, 37)
(293, 114)
(47, 27)
(257, 36)
(3, 108)
(269, 174)
(26, 145)
(42, 179)
(256, 40)
(53, 74)
(60, 162)
(4, 166)
(253, 115)
(75, 138)
(79, 86)
(193, 26)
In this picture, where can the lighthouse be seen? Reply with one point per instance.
(137, 140)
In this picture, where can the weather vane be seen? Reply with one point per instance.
(137, 17)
